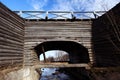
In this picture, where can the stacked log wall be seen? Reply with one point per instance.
(11, 38)
(106, 38)
(37, 32)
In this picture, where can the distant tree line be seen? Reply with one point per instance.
(58, 58)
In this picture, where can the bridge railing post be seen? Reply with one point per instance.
(44, 54)
(46, 17)
(20, 13)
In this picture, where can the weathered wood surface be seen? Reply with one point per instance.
(60, 65)
(11, 38)
(106, 38)
(40, 31)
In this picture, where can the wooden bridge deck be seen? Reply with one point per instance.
(60, 65)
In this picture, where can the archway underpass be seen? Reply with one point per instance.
(77, 54)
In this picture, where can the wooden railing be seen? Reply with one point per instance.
(59, 14)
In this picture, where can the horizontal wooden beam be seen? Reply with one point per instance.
(60, 65)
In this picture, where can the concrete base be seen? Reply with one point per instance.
(27, 73)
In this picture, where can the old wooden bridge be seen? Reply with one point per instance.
(92, 39)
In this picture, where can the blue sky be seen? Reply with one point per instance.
(17, 4)
(63, 5)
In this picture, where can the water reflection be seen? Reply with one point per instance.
(53, 74)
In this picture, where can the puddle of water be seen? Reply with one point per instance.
(53, 74)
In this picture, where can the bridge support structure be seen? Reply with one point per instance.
(19, 37)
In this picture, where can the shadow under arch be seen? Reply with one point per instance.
(77, 52)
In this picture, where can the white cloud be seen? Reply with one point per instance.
(38, 4)
(62, 5)
(74, 5)
(81, 5)
(100, 5)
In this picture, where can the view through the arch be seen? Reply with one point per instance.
(55, 56)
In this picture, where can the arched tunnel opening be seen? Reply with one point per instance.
(77, 52)
(73, 52)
